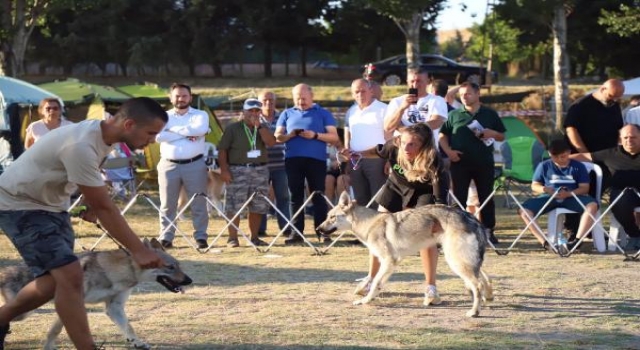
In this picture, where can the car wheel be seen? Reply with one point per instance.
(392, 80)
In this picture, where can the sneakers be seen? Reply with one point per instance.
(233, 243)
(258, 242)
(4, 330)
(364, 287)
(202, 243)
(431, 296)
(166, 244)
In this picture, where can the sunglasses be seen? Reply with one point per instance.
(51, 109)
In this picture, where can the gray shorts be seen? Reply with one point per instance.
(43, 239)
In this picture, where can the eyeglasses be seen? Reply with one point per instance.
(51, 109)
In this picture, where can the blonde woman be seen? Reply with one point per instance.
(50, 112)
(416, 178)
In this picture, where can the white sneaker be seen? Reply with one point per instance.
(431, 296)
(364, 287)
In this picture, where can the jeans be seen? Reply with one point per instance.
(278, 179)
(313, 171)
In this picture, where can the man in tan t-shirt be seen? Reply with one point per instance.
(34, 197)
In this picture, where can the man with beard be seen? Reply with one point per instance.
(182, 146)
(34, 198)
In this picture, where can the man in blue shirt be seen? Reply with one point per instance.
(306, 128)
(568, 175)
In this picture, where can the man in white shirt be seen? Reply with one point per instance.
(363, 130)
(182, 146)
(420, 107)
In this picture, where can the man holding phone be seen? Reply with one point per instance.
(417, 106)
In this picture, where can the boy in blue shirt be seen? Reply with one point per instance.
(570, 176)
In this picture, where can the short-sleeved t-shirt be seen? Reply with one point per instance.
(597, 124)
(45, 176)
(235, 140)
(315, 119)
(461, 137)
(551, 175)
(624, 167)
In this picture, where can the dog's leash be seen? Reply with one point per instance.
(79, 213)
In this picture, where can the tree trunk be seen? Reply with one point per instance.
(268, 59)
(411, 30)
(303, 61)
(560, 63)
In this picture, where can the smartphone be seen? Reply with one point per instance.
(298, 131)
(413, 91)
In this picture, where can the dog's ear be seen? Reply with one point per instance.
(154, 243)
(344, 200)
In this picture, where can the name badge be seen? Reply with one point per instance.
(253, 153)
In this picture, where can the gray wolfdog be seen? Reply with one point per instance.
(392, 236)
(109, 277)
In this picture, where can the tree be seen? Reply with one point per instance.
(625, 22)
(410, 16)
(19, 18)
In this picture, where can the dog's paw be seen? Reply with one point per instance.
(473, 313)
(362, 301)
(139, 344)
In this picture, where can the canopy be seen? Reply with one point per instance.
(631, 87)
(19, 92)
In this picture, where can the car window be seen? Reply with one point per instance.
(433, 61)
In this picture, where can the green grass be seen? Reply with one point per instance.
(292, 299)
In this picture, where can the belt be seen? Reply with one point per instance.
(250, 165)
(185, 161)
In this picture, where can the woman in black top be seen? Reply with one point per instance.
(416, 178)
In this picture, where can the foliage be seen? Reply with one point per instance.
(625, 22)
(504, 37)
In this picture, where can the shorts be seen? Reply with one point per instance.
(535, 204)
(392, 200)
(44, 239)
(245, 182)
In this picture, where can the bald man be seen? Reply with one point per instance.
(593, 121)
(306, 129)
(591, 125)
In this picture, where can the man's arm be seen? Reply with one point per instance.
(101, 205)
(393, 118)
(583, 157)
(576, 140)
(223, 162)
(282, 136)
(330, 136)
(435, 121)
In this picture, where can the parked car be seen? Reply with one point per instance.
(393, 70)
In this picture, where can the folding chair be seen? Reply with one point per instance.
(119, 174)
(556, 216)
(613, 240)
(522, 167)
(617, 233)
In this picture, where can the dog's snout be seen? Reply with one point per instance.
(186, 281)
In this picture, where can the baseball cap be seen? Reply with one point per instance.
(251, 103)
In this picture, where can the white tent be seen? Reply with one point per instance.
(631, 87)
(18, 91)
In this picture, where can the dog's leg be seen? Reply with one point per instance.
(52, 335)
(487, 288)
(464, 263)
(386, 269)
(115, 311)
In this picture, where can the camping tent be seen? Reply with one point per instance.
(18, 103)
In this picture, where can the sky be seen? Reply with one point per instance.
(452, 17)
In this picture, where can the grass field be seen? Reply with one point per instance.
(289, 298)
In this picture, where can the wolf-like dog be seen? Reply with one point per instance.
(392, 236)
(109, 277)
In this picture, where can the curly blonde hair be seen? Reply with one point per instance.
(424, 168)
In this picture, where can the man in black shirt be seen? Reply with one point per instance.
(624, 164)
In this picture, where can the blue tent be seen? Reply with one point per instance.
(15, 91)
